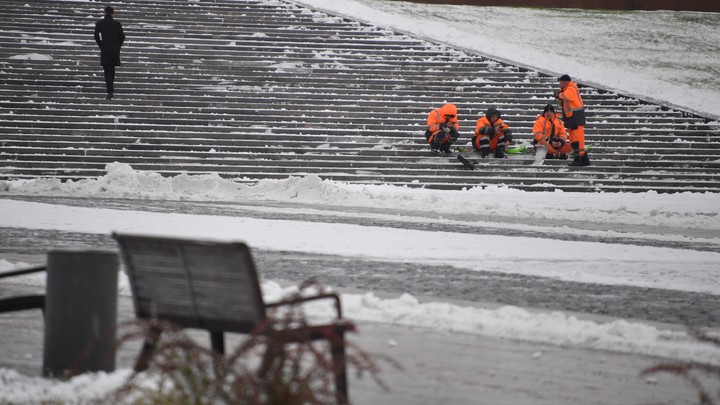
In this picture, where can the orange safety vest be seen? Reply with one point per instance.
(484, 122)
(571, 100)
(573, 111)
(437, 117)
(544, 128)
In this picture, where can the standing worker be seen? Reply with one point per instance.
(442, 128)
(109, 36)
(573, 114)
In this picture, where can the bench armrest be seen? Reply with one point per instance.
(27, 270)
(301, 300)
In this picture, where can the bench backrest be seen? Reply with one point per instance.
(195, 284)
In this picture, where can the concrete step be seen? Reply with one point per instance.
(171, 141)
(299, 156)
(254, 90)
(397, 111)
(352, 116)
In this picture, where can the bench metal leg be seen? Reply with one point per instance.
(148, 349)
(217, 341)
(272, 351)
(337, 347)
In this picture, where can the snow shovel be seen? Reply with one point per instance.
(469, 164)
(540, 153)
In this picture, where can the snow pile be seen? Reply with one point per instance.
(84, 388)
(122, 181)
(510, 322)
(680, 210)
(31, 56)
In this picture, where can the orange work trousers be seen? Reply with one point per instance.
(566, 148)
(578, 135)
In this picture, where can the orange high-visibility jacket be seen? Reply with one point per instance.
(484, 122)
(545, 128)
(437, 117)
(572, 106)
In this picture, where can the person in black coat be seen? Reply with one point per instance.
(109, 36)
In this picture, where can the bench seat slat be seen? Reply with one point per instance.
(198, 283)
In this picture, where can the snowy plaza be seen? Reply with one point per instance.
(485, 295)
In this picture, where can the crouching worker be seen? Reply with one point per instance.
(491, 134)
(550, 131)
(442, 128)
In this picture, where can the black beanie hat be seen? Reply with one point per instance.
(549, 107)
(492, 111)
(564, 78)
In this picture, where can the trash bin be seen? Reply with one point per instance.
(80, 312)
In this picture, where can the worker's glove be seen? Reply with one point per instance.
(447, 130)
(557, 93)
(489, 131)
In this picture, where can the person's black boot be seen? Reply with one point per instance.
(584, 159)
(500, 151)
(577, 161)
(435, 147)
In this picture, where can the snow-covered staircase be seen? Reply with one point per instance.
(269, 89)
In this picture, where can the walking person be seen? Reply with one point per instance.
(109, 36)
(442, 128)
(491, 134)
(573, 114)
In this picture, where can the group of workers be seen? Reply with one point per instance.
(493, 135)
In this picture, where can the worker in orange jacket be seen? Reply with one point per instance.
(550, 131)
(491, 134)
(442, 128)
(573, 114)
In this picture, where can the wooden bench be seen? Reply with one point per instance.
(214, 286)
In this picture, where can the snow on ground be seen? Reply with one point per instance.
(678, 210)
(608, 263)
(604, 263)
(671, 56)
(32, 56)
